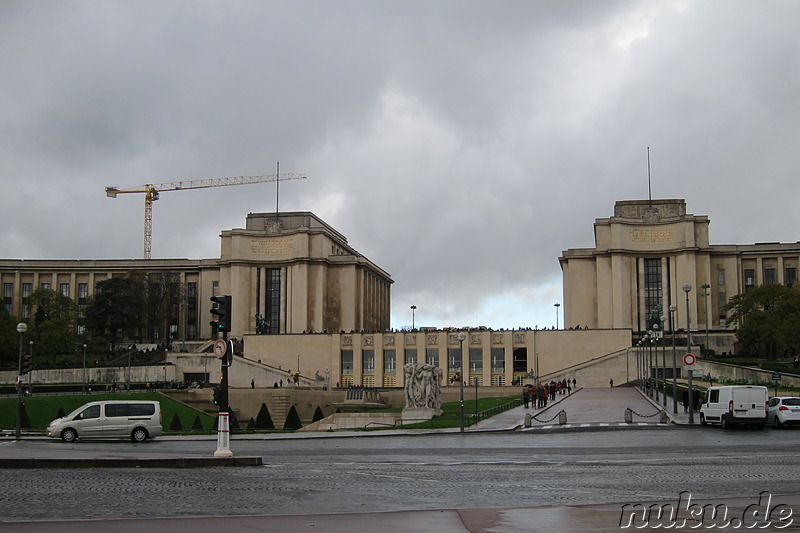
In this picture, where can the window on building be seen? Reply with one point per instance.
(26, 292)
(432, 356)
(749, 278)
(63, 288)
(498, 360)
(653, 295)
(520, 361)
(272, 313)
(368, 362)
(453, 360)
(722, 301)
(721, 276)
(347, 362)
(769, 276)
(45, 286)
(790, 276)
(389, 361)
(83, 291)
(8, 296)
(409, 355)
(475, 360)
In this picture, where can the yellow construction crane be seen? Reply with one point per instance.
(152, 190)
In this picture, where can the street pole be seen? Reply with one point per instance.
(664, 362)
(461, 337)
(84, 369)
(706, 294)
(476, 399)
(30, 373)
(687, 287)
(656, 334)
(672, 309)
(22, 327)
(650, 361)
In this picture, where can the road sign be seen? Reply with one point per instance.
(776, 376)
(689, 359)
(220, 348)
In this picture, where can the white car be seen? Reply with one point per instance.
(783, 411)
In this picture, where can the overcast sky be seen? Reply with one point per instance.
(460, 145)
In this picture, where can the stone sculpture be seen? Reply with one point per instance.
(422, 386)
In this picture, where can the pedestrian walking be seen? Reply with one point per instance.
(526, 396)
(611, 382)
(685, 400)
(253, 383)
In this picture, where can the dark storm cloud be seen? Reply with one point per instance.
(459, 145)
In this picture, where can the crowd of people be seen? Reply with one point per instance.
(537, 396)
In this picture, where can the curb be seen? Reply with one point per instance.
(165, 462)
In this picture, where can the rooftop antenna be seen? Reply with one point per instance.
(649, 190)
(278, 182)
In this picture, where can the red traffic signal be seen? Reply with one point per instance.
(27, 364)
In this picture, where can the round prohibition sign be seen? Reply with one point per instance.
(689, 359)
(220, 348)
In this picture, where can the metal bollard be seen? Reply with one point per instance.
(562, 418)
(527, 420)
(628, 415)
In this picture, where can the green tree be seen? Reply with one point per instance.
(767, 319)
(115, 310)
(54, 323)
(162, 304)
(9, 340)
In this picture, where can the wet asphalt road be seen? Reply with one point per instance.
(366, 474)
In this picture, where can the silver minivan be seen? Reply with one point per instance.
(113, 419)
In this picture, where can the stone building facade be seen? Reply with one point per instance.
(644, 255)
(286, 273)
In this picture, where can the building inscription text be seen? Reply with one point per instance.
(652, 235)
(282, 246)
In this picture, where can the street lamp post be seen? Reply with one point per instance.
(413, 311)
(706, 294)
(84, 369)
(639, 371)
(687, 287)
(656, 334)
(22, 327)
(672, 309)
(461, 337)
(664, 363)
(650, 378)
(557, 305)
(30, 373)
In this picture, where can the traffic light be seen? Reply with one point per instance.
(222, 312)
(216, 396)
(27, 363)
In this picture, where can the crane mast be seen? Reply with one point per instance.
(151, 193)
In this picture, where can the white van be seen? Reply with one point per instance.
(735, 405)
(137, 420)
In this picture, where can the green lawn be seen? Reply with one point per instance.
(451, 411)
(42, 410)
